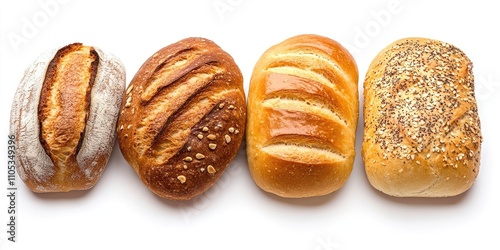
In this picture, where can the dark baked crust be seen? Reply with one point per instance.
(180, 98)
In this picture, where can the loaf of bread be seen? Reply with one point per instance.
(422, 135)
(183, 118)
(64, 116)
(302, 117)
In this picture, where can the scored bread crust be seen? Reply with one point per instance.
(183, 118)
(422, 133)
(65, 135)
(302, 117)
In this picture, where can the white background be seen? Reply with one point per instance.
(235, 214)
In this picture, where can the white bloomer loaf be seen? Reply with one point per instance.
(302, 117)
(422, 134)
(64, 116)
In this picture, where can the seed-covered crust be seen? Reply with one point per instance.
(422, 131)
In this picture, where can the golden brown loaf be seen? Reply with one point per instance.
(63, 116)
(422, 134)
(183, 118)
(302, 117)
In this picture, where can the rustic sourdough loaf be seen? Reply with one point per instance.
(64, 116)
(183, 118)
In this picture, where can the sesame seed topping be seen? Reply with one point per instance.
(420, 85)
(200, 156)
(200, 136)
(231, 130)
(202, 170)
(181, 178)
(212, 146)
(211, 137)
(227, 138)
(121, 127)
(230, 107)
(236, 131)
(188, 159)
(221, 105)
(205, 129)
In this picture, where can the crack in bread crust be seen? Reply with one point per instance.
(65, 100)
(173, 69)
(158, 114)
(174, 136)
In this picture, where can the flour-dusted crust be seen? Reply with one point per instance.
(64, 116)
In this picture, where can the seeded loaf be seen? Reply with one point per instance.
(302, 117)
(422, 133)
(64, 116)
(183, 118)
